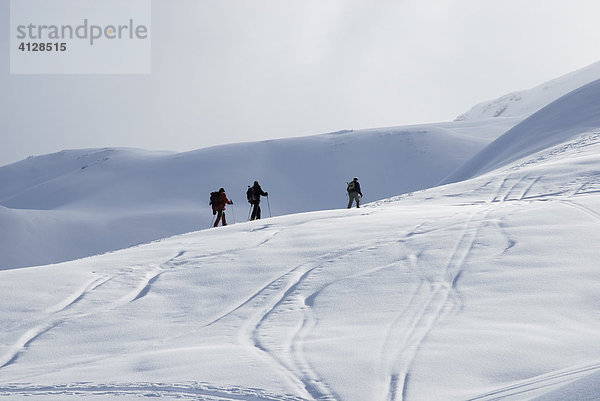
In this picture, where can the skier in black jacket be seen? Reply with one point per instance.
(254, 193)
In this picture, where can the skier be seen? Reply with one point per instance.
(253, 194)
(354, 192)
(218, 200)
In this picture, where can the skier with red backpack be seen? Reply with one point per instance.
(218, 200)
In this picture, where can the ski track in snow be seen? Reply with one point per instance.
(191, 391)
(73, 307)
(595, 215)
(66, 309)
(543, 382)
(297, 343)
(287, 291)
(286, 288)
(548, 381)
(316, 385)
(57, 315)
(430, 309)
(312, 382)
(435, 301)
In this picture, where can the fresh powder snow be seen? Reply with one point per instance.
(484, 289)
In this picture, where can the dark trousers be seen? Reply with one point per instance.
(220, 216)
(353, 196)
(255, 211)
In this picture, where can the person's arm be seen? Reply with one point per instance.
(358, 188)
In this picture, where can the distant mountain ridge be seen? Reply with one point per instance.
(77, 203)
(573, 114)
(526, 102)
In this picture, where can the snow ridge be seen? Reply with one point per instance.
(524, 103)
(570, 116)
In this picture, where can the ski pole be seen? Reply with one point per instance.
(212, 221)
(233, 213)
(249, 211)
(269, 204)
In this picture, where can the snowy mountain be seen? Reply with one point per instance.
(523, 103)
(482, 290)
(566, 118)
(79, 203)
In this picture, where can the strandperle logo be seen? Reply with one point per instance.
(85, 31)
(80, 36)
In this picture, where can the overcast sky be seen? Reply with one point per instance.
(239, 70)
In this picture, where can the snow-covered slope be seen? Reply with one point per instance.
(526, 102)
(482, 290)
(82, 202)
(566, 118)
(78, 203)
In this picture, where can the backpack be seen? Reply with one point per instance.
(251, 195)
(351, 186)
(214, 198)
